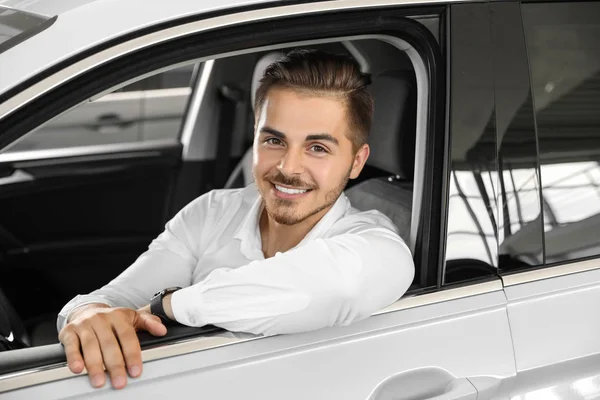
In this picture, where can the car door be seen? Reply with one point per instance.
(554, 309)
(439, 342)
(82, 195)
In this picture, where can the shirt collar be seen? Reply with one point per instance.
(249, 232)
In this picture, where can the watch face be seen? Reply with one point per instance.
(155, 295)
(165, 291)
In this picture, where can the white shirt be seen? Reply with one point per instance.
(350, 265)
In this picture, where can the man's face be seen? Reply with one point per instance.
(303, 157)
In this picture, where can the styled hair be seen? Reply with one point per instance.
(324, 74)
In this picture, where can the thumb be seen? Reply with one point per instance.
(147, 322)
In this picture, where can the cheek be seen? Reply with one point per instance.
(265, 161)
(323, 172)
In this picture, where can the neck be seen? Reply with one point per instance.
(277, 237)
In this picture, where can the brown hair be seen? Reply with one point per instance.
(321, 73)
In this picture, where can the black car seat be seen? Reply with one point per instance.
(12, 331)
(241, 176)
(392, 142)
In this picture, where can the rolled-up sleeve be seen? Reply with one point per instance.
(326, 282)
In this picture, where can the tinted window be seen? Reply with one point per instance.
(520, 234)
(564, 56)
(471, 246)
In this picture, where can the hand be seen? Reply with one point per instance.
(166, 307)
(107, 336)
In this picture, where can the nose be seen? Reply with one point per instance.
(292, 162)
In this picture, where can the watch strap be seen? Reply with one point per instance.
(156, 304)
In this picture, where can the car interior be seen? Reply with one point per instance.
(386, 183)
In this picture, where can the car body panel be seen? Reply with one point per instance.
(555, 326)
(324, 364)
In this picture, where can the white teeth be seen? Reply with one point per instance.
(290, 191)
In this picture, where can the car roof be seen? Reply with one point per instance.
(84, 24)
(48, 8)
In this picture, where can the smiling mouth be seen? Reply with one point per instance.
(289, 190)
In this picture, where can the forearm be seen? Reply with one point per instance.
(153, 271)
(324, 283)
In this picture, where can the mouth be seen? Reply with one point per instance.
(288, 192)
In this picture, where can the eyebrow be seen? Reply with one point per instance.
(320, 136)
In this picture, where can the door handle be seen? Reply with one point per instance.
(424, 384)
(110, 123)
(457, 389)
(18, 176)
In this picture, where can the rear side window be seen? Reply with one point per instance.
(564, 56)
(17, 26)
(148, 109)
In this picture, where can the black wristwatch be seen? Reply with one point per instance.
(156, 304)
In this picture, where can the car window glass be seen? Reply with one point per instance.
(174, 78)
(17, 26)
(471, 246)
(520, 236)
(151, 108)
(562, 42)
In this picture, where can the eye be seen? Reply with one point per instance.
(315, 148)
(273, 141)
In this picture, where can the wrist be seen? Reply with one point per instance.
(162, 308)
(80, 310)
(167, 306)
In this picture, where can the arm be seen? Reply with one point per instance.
(169, 261)
(101, 326)
(326, 282)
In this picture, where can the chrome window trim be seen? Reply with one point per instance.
(441, 296)
(29, 155)
(60, 371)
(542, 273)
(144, 94)
(78, 68)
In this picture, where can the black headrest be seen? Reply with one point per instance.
(392, 136)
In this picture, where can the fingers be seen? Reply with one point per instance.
(70, 340)
(111, 353)
(151, 323)
(92, 355)
(102, 339)
(130, 346)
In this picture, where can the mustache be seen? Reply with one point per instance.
(281, 179)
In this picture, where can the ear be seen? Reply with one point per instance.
(360, 158)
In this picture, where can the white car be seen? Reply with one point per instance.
(485, 153)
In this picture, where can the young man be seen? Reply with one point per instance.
(285, 254)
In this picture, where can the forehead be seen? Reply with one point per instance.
(293, 112)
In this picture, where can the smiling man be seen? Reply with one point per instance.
(285, 254)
